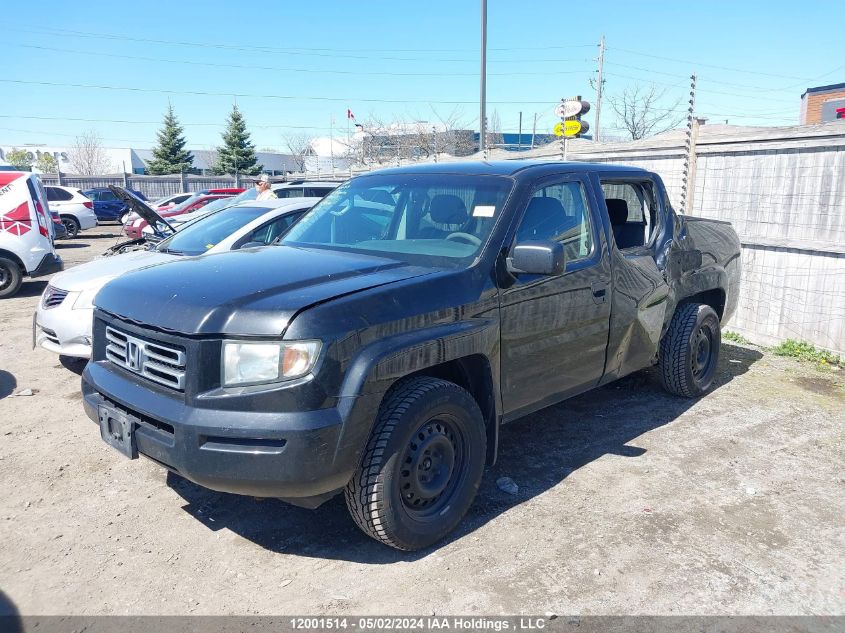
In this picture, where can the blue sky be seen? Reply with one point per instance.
(292, 66)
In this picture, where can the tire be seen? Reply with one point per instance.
(10, 277)
(689, 352)
(422, 464)
(72, 226)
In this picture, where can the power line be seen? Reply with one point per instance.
(258, 96)
(681, 61)
(284, 69)
(315, 52)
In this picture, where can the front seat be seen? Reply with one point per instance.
(447, 214)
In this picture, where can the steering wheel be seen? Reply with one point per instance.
(469, 237)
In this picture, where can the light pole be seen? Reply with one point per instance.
(482, 141)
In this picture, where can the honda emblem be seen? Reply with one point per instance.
(133, 355)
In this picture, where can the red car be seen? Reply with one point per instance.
(229, 191)
(134, 229)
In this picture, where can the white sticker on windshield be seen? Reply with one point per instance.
(483, 211)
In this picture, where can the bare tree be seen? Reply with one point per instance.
(494, 131)
(299, 146)
(88, 157)
(641, 114)
(396, 140)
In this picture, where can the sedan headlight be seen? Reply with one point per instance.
(85, 300)
(248, 363)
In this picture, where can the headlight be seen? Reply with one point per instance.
(85, 300)
(246, 363)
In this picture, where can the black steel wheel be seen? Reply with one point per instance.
(689, 352)
(10, 277)
(72, 226)
(422, 465)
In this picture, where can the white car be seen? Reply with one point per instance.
(65, 313)
(75, 210)
(26, 231)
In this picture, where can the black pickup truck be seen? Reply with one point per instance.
(379, 348)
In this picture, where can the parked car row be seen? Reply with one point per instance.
(374, 347)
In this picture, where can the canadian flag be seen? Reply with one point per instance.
(349, 114)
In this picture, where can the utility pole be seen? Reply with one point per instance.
(434, 138)
(482, 139)
(519, 138)
(599, 88)
(688, 176)
(534, 131)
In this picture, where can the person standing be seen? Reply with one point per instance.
(263, 186)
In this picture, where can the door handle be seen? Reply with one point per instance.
(599, 289)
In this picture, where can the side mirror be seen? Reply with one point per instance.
(541, 257)
(252, 245)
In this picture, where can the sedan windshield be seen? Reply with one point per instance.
(437, 220)
(205, 233)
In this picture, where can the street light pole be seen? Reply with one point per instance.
(482, 141)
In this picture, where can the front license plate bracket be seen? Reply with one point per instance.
(118, 430)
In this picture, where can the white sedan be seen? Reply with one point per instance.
(64, 316)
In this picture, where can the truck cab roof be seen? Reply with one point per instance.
(512, 168)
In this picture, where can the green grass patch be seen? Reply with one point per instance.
(733, 337)
(801, 350)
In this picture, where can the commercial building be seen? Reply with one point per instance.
(133, 161)
(823, 103)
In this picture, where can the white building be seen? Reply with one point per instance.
(133, 161)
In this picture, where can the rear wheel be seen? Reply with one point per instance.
(10, 277)
(72, 226)
(689, 352)
(422, 465)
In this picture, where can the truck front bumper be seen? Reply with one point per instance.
(299, 456)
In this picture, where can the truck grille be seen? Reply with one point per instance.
(159, 363)
(53, 297)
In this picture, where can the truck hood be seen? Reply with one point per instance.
(251, 292)
(100, 271)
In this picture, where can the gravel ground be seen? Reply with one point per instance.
(630, 501)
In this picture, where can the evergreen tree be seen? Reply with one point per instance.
(170, 156)
(238, 153)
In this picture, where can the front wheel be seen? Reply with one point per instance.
(422, 465)
(689, 352)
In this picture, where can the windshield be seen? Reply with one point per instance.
(437, 220)
(205, 233)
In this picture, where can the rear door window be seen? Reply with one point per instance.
(292, 192)
(55, 194)
(633, 211)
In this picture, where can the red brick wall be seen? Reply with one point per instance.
(813, 112)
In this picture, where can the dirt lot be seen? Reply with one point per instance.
(630, 501)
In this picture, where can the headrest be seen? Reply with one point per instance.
(447, 209)
(617, 209)
(543, 218)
